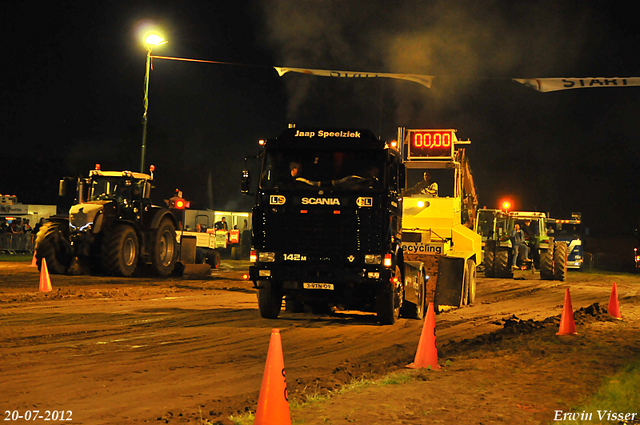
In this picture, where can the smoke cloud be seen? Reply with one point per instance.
(463, 43)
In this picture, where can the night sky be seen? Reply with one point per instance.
(73, 73)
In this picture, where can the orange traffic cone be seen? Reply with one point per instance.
(273, 403)
(427, 354)
(45, 280)
(614, 307)
(567, 324)
(34, 262)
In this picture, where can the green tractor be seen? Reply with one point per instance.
(547, 255)
(112, 229)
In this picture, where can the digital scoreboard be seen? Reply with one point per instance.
(429, 144)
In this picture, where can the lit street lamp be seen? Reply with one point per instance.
(150, 41)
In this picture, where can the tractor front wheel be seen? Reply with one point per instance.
(53, 245)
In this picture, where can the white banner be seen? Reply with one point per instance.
(424, 80)
(555, 84)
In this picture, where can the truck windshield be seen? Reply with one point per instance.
(573, 230)
(340, 170)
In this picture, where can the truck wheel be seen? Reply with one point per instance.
(464, 296)
(411, 310)
(502, 264)
(165, 251)
(489, 270)
(121, 251)
(213, 259)
(546, 263)
(293, 304)
(269, 299)
(319, 307)
(387, 301)
(53, 245)
(559, 260)
(471, 271)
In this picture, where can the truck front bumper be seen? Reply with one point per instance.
(320, 273)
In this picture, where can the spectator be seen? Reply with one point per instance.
(517, 239)
(4, 234)
(222, 224)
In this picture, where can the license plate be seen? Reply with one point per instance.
(328, 286)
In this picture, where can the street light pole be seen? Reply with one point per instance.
(146, 108)
(151, 40)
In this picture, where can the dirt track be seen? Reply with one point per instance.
(141, 350)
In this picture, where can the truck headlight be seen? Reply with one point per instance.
(372, 259)
(266, 257)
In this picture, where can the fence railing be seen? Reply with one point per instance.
(14, 243)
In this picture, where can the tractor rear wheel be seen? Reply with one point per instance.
(164, 255)
(53, 245)
(559, 260)
(546, 263)
(121, 251)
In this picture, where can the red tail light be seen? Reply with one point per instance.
(387, 262)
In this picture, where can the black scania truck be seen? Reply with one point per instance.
(326, 223)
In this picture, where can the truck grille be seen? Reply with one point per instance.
(321, 233)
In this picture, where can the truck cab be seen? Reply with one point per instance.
(326, 223)
(569, 230)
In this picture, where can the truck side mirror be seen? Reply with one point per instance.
(245, 184)
(401, 178)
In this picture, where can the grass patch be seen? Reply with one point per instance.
(245, 418)
(619, 394)
(357, 385)
(15, 257)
